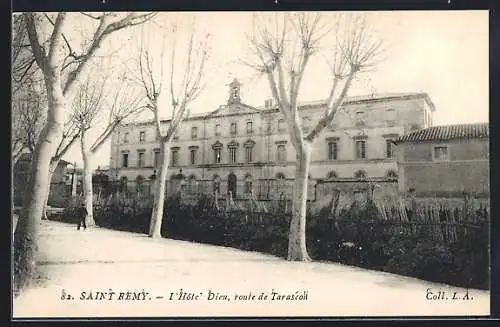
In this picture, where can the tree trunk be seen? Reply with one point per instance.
(26, 234)
(159, 200)
(46, 200)
(87, 185)
(297, 249)
(52, 169)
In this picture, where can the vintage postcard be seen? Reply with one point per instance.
(250, 164)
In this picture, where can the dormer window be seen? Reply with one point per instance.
(360, 119)
(390, 117)
(306, 124)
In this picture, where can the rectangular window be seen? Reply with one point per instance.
(124, 160)
(281, 125)
(249, 153)
(440, 153)
(194, 132)
(217, 155)
(234, 129)
(281, 153)
(125, 138)
(194, 156)
(156, 160)
(360, 149)
(332, 150)
(269, 126)
(217, 130)
(175, 158)
(232, 155)
(140, 159)
(142, 136)
(249, 127)
(389, 149)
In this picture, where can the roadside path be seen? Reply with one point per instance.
(101, 260)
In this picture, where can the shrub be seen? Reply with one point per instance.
(356, 236)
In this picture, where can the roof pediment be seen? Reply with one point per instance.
(234, 109)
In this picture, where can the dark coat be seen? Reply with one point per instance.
(81, 212)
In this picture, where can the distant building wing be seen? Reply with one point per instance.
(447, 132)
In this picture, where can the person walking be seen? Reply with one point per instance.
(81, 213)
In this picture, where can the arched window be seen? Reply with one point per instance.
(216, 184)
(391, 175)
(361, 175)
(280, 176)
(248, 183)
(331, 175)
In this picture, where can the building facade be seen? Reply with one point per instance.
(236, 145)
(445, 161)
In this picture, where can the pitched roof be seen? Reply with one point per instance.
(371, 97)
(245, 108)
(447, 132)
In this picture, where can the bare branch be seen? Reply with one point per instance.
(38, 51)
(55, 37)
(125, 103)
(90, 15)
(104, 30)
(326, 120)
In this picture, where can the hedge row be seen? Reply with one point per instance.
(353, 239)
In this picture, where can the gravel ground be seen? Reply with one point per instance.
(175, 278)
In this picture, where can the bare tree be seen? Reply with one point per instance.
(282, 48)
(28, 97)
(183, 85)
(23, 60)
(28, 117)
(61, 64)
(88, 104)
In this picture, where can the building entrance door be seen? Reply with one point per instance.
(231, 184)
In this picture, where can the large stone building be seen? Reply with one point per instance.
(238, 147)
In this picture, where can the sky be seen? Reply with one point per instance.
(442, 53)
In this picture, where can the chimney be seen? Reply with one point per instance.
(268, 104)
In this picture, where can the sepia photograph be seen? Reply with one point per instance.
(250, 164)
